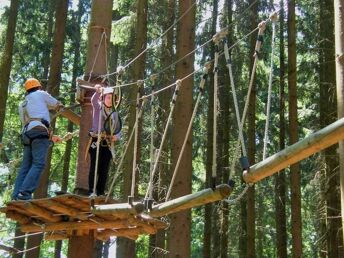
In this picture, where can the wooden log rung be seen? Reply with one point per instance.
(190, 201)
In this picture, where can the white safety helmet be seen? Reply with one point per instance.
(107, 90)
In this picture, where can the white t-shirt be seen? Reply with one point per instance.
(36, 106)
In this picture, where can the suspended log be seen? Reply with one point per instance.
(131, 233)
(75, 225)
(190, 201)
(119, 209)
(316, 142)
(70, 115)
(55, 236)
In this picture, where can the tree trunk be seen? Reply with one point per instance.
(328, 110)
(296, 224)
(101, 17)
(208, 209)
(339, 50)
(126, 246)
(53, 89)
(181, 222)
(225, 117)
(6, 61)
(47, 47)
(68, 148)
(280, 180)
(251, 146)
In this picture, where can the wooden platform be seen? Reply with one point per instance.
(65, 215)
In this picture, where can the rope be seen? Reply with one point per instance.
(152, 120)
(273, 18)
(261, 28)
(235, 100)
(97, 53)
(133, 178)
(125, 150)
(93, 195)
(173, 102)
(200, 94)
(216, 110)
(239, 197)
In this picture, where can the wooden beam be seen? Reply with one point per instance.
(74, 225)
(131, 233)
(55, 236)
(20, 218)
(190, 201)
(315, 142)
(70, 115)
(60, 208)
(36, 210)
(119, 209)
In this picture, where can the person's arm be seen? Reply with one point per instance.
(51, 101)
(96, 95)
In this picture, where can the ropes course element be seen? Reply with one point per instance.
(125, 150)
(173, 102)
(152, 122)
(200, 94)
(261, 29)
(136, 136)
(273, 19)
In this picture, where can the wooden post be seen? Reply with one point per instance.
(316, 142)
(99, 28)
(190, 201)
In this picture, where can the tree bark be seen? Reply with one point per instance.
(328, 110)
(6, 61)
(339, 54)
(280, 179)
(296, 229)
(181, 222)
(47, 48)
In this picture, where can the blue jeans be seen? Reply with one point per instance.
(34, 159)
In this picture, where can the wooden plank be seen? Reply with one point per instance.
(315, 142)
(131, 233)
(70, 115)
(78, 202)
(38, 211)
(59, 208)
(74, 225)
(20, 218)
(55, 236)
(190, 201)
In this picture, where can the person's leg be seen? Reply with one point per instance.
(24, 169)
(103, 169)
(92, 151)
(39, 148)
